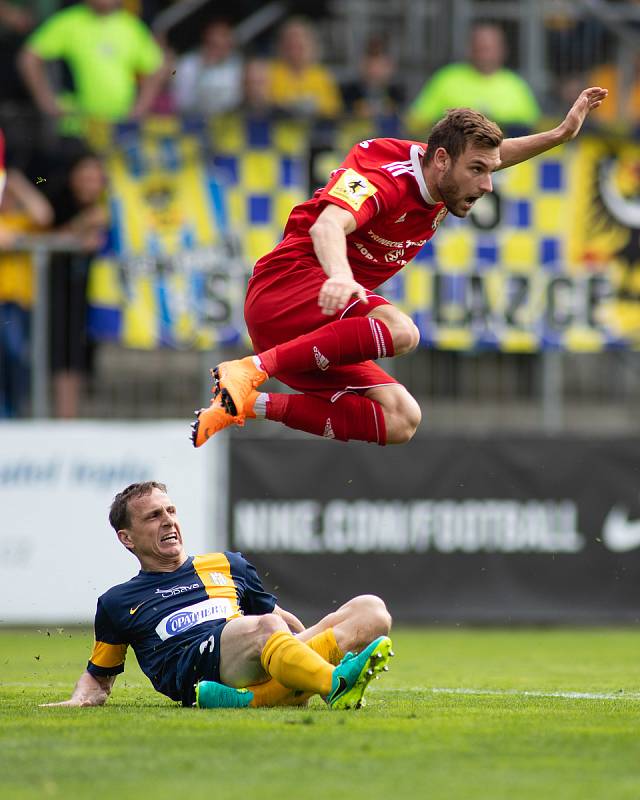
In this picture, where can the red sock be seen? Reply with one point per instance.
(350, 417)
(345, 341)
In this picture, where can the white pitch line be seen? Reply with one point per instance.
(520, 693)
(634, 696)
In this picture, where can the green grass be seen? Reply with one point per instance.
(409, 742)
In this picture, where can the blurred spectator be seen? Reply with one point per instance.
(256, 95)
(484, 84)
(574, 43)
(374, 93)
(623, 102)
(107, 50)
(80, 209)
(300, 85)
(17, 20)
(209, 80)
(23, 210)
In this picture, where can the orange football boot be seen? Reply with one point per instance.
(235, 380)
(215, 418)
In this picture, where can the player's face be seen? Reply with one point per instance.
(463, 181)
(153, 534)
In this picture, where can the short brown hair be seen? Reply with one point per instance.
(460, 127)
(119, 511)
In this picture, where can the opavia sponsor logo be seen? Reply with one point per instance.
(190, 616)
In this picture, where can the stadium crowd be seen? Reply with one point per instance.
(118, 61)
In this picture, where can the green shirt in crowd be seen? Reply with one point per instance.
(503, 96)
(105, 54)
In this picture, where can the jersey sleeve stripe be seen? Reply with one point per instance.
(108, 655)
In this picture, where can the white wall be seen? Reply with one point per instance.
(57, 481)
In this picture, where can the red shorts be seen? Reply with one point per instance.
(282, 303)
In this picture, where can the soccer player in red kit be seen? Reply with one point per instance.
(311, 309)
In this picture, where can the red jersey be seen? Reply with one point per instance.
(381, 183)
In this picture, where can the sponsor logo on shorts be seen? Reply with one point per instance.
(188, 617)
(321, 361)
(353, 188)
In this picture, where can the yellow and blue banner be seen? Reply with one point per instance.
(193, 205)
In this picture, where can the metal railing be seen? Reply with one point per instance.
(40, 247)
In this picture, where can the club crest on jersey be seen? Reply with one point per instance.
(353, 188)
(439, 217)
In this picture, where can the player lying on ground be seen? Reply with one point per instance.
(205, 632)
(376, 212)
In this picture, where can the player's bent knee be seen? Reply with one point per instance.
(404, 333)
(406, 337)
(372, 611)
(402, 420)
(266, 626)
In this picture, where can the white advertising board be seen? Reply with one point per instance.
(57, 481)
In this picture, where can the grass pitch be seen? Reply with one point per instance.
(463, 714)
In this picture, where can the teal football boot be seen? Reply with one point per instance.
(210, 694)
(354, 673)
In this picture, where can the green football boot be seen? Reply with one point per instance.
(210, 694)
(353, 674)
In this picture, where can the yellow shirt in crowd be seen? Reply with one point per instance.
(613, 111)
(310, 91)
(16, 274)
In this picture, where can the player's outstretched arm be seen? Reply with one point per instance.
(513, 151)
(89, 691)
(329, 236)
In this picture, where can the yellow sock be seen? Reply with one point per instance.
(326, 646)
(272, 693)
(295, 665)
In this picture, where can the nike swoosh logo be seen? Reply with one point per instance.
(342, 685)
(133, 610)
(619, 533)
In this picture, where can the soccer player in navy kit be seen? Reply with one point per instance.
(206, 633)
(312, 311)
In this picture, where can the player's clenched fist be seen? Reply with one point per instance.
(337, 291)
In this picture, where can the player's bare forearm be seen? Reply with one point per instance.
(522, 148)
(89, 691)
(329, 236)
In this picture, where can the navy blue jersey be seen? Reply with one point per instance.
(169, 619)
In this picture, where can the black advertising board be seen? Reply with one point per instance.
(445, 529)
